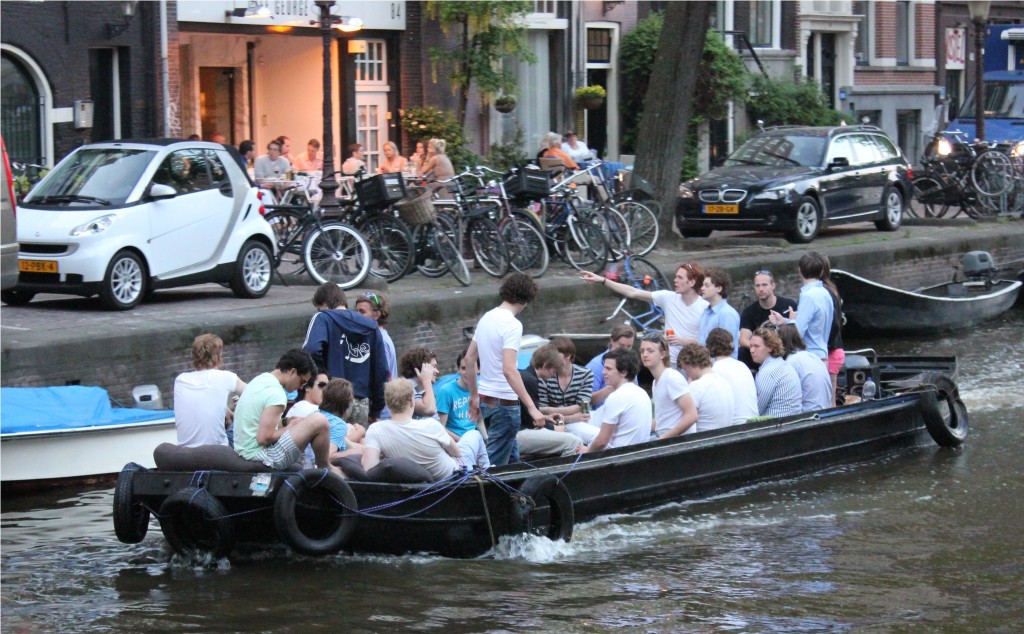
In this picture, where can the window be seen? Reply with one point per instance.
(865, 31)
(762, 22)
(108, 175)
(599, 46)
(886, 147)
(370, 66)
(865, 152)
(903, 33)
(20, 108)
(842, 148)
(544, 7)
(186, 171)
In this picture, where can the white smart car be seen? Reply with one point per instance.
(122, 219)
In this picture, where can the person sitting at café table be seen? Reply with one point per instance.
(437, 165)
(553, 144)
(312, 160)
(393, 161)
(272, 164)
(418, 157)
(286, 148)
(354, 162)
(576, 149)
(424, 440)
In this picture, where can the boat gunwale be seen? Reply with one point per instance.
(72, 431)
(1011, 285)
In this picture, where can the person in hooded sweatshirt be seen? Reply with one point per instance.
(349, 345)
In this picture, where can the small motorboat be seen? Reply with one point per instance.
(58, 436)
(208, 499)
(876, 308)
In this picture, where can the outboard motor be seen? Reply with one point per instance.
(978, 267)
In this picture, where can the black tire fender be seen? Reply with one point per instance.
(131, 519)
(320, 527)
(194, 522)
(543, 497)
(945, 415)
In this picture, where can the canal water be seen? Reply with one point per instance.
(927, 540)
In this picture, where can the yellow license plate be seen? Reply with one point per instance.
(37, 266)
(721, 209)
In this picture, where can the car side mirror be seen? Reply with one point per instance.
(159, 191)
(839, 162)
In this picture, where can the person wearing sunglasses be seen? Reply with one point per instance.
(683, 306)
(674, 410)
(376, 306)
(313, 399)
(757, 314)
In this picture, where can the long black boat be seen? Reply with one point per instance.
(872, 307)
(317, 513)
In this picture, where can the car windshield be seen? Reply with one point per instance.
(93, 177)
(780, 150)
(1003, 100)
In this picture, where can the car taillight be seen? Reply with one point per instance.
(910, 173)
(259, 196)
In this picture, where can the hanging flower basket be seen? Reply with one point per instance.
(590, 97)
(589, 103)
(505, 104)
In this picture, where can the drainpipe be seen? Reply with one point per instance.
(164, 73)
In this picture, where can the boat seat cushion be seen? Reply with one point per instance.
(171, 457)
(390, 470)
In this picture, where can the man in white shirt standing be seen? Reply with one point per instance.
(627, 411)
(683, 307)
(739, 376)
(711, 393)
(495, 347)
(201, 414)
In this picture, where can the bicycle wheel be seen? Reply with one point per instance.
(613, 226)
(643, 226)
(449, 252)
(640, 273)
(585, 248)
(992, 173)
(335, 252)
(391, 246)
(287, 227)
(428, 257)
(930, 194)
(527, 249)
(488, 246)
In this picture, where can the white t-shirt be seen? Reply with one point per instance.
(683, 319)
(741, 380)
(422, 441)
(302, 409)
(200, 403)
(629, 409)
(714, 400)
(666, 392)
(497, 330)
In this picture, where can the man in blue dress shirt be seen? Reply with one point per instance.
(718, 314)
(813, 316)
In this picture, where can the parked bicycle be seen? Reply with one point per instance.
(974, 178)
(639, 273)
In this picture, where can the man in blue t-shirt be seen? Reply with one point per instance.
(453, 403)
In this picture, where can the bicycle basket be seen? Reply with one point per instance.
(380, 191)
(527, 184)
(417, 208)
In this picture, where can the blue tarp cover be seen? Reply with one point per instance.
(24, 409)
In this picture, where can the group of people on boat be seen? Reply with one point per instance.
(346, 392)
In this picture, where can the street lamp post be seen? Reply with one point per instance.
(979, 16)
(328, 184)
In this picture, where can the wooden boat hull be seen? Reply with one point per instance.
(877, 308)
(37, 460)
(467, 519)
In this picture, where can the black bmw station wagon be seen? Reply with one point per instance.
(796, 180)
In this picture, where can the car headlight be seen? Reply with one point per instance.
(685, 191)
(775, 193)
(96, 225)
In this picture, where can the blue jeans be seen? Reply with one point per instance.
(502, 422)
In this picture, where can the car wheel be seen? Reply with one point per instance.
(125, 282)
(808, 221)
(16, 298)
(253, 270)
(695, 233)
(892, 213)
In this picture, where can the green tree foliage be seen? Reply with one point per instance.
(423, 123)
(722, 77)
(483, 34)
(506, 155)
(783, 102)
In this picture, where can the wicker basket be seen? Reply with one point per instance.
(417, 208)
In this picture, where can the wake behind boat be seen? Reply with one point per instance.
(316, 513)
(876, 308)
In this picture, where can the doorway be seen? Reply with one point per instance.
(371, 126)
(217, 102)
(597, 118)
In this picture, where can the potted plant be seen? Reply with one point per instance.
(505, 103)
(590, 97)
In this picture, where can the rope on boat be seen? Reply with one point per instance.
(487, 511)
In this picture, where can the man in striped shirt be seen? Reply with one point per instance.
(778, 386)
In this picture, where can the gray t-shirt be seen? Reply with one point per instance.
(266, 168)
